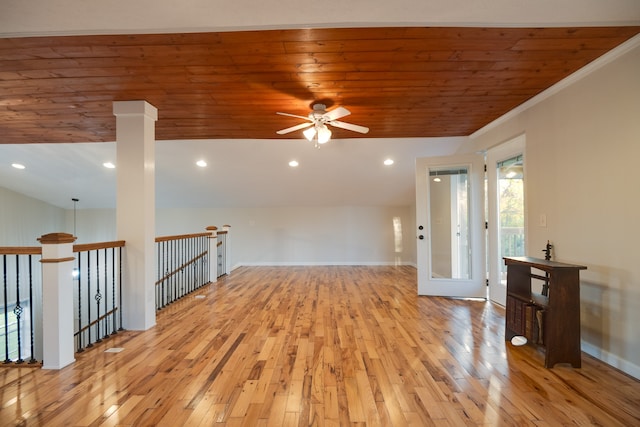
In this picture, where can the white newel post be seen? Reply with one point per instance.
(135, 209)
(57, 297)
(227, 249)
(213, 253)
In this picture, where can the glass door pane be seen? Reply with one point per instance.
(506, 211)
(510, 210)
(449, 223)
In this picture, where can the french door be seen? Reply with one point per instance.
(506, 209)
(454, 257)
(450, 226)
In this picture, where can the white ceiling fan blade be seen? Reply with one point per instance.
(294, 115)
(349, 126)
(294, 128)
(336, 114)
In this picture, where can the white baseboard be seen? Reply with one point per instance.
(611, 359)
(314, 264)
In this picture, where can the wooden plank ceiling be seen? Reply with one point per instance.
(400, 82)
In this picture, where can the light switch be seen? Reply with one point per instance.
(543, 220)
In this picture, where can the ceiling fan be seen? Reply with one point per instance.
(318, 120)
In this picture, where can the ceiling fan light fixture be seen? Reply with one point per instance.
(324, 134)
(316, 123)
(310, 133)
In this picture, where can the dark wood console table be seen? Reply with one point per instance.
(551, 320)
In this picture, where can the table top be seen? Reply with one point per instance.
(540, 263)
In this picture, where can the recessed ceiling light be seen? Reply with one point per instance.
(18, 165)
(293, 163)
(201, 163)
(109, 165)
(388, 162)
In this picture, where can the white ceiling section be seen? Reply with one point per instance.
(239, 173)
(252, 173)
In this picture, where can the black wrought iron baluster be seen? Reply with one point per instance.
(165, 278)
(196, 259)
(120, 287)
(201, 263)
(89, 341)
(181, 256)
(187, 263)
(169, 275)
(163, 273)
(203, 266)
(201, 260)
(194, 269)
(183, 271)
(219, 250)
(98, 297)
(165, 290)
(165, 269)
(6, 310)
(33, 347)
(175, 276)
(79, 279)
(188, 259)
(207, 261)
(197, 271)
(106, 294)
(113, 291)
(17, 310)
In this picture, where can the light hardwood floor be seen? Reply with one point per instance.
(323, 346)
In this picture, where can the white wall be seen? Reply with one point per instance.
(93, 225)
(303, 235)
(24, 219)
(260, 236)
(582, 153)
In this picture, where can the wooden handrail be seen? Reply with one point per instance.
(93, 323)
(100, 245)
(181, 236)
(37, 250)
(182, 267)
(21, 250)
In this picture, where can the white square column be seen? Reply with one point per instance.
(57, 300)
(213, 253)
(135, 210)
